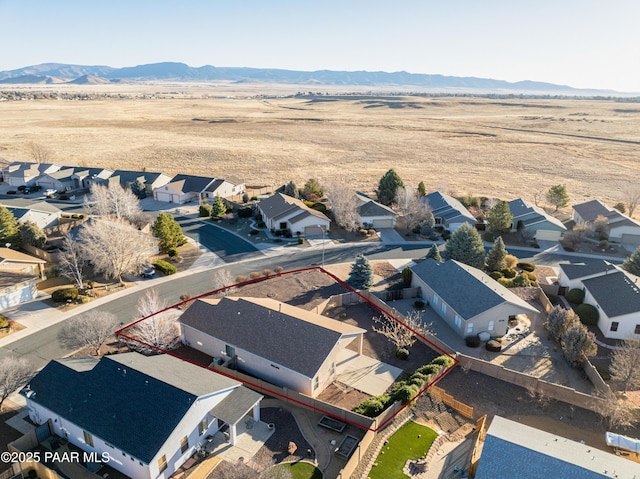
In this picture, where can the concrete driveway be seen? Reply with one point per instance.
(390, 236)
(364, 373)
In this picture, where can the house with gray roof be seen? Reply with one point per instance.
(572, 274)
(448, 211)
(149, 414)
(372, 214)
(509, 446)
(60, 180)
(467, 299)
(621, 228)
(274, 341)
(45, 215)
(283, 212)
(21, 173)
(534, 219)
(87, 177)
(185, 188)
(150, 179)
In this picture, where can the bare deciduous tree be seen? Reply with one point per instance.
(222, 278)
(157, 332)
(631, 196)
(89, 330)
(616, 411)
(344, 204)
(115, 202)
(412, 208)
(39, 154)
(115, 247)
(72, 261)
(625, 364)
(401, 334)
(14, 373)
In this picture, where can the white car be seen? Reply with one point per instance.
(50, 191)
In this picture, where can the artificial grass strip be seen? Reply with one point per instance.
(302, 470)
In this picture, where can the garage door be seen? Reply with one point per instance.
(163, 197)
(547, 235)
(312, 231)
(24, 292)
(631, 240)
(382, 223)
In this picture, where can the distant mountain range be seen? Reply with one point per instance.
(48, 73)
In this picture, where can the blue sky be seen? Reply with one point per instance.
(581, 43)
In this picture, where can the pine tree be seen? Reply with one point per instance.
(9, 229)
(559, 320)
(496, 256)
(434, 253)
(291, 190)
(465, 246)
(499, 218)
(32, 234)
(168, 231)
(361, 276)
(422, 190)
(632, 263)
(578, 343)
(139, 189)
(218, 209)
(558, 196)
(388, 186)
(312, 190)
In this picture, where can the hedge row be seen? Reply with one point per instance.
(165, 267)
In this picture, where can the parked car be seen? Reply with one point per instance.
(31, 189)
(148, 272)
(50, 191)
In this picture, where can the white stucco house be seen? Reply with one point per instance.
(447, 211)
(19, 274)
(60, 180)
(45, 215)
(467, 299)
(614, 292)
(150, 179)
(622, 229)
(283, 212)
(372, 214)
(282, 344)
(21, 173)
(529, 217)
(148, 413)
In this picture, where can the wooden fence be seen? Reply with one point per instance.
(460, 407)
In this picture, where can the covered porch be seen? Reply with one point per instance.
(241, 407)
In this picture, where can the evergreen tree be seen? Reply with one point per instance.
(434, 253)
(139, 189)
(496, 256)
(9, 229)
(168, 232)
(558, 196)
(218, 209)
(465, 246)
(361, 276)
(499, 218)
(632, 263)
(578, 344)
(312, 190)
(559, 320)
(426, 227)
(388, 186)
(32, 234)
(422, 190)
(291, 190)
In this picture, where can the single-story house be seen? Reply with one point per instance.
(150, 414)
(45, 215)
(86, 177)
(274, 341)
(16, 262)
(447, 211)
(283, 212)
(614, 292)
(622, 229)
(467, 299)
(21, 173)
(510, 446)
(150, 179)
(373, 214)
(61, 180)
(534, 219)
(184, 188)
(223, 189)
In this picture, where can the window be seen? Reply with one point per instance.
(88, 438)
(283, 226)
(637, 331)
(444, 308)
(614, 325)
(229, 350)
(470, 328)
(491, 324)
(458, 321)
(184, 444)
(435, 299)
(162, 463)
(203, 426)
(315, 383)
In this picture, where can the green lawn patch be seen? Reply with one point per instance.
(301, 470)
(403, 445)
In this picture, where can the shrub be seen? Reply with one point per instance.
(371, 407)
(245, 213)
(362, 232)
(493, 346)
(308, 203)
(418, 379)
(496, 275)
(416, 230)
(61, 197)
(429, 369)
(165, 267)
(371, 232)
(510, 261)
(4, 321)
(300, 240)
(185, 297)
(405, 393)
(254, 275)
(526, 266)
(172, 252)
(604, 244)
(407, 275)
(532, 277)
(509, 273)
(253, 232)
(588, 314)
(65, 294)
(321, 207)
(260, 224)
(418, 304)
(472, 341)
(575, 296)
(506, 282)
(402, 353)
(266, 272)
(278, 269)
(204, 211)
(83, 299)
(446, 235)
(444, 360)
(254, 198)
(241, 278)
(287, 234)
(488, 237)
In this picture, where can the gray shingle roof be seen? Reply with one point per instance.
(31, 204)
(616, 293)
(280, 205)
(515, 450)
(534, 215)
(448, 208)
(133, 411)
(271, 330)
(368, 207)
(590, 210)
(582, 270)
(191, 183)
(129, 176)
(467, 290)
(235, 406)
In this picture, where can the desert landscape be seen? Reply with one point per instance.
(267, 135)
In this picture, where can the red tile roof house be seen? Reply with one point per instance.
(282, 212)
(274, 341)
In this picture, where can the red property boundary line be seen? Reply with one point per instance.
(121, 333)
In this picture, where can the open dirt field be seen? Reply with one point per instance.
(497, 147)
